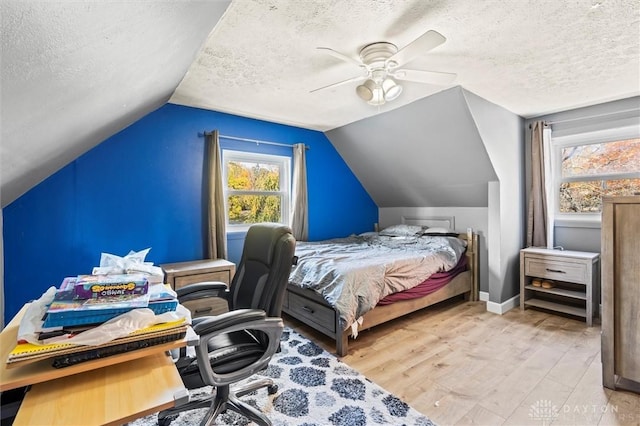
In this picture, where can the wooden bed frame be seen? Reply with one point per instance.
(310, 307)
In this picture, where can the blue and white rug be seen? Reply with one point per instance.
(314, 388)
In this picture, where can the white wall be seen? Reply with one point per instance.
(465, 217)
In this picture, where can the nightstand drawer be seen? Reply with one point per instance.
(207, 307)
(556, 270)
(222, 276)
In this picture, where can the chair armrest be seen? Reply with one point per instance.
(228, 319)
(202, 290)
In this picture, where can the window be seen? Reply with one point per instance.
(590, 165)
(257, 188)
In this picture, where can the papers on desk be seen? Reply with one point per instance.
(155, 334)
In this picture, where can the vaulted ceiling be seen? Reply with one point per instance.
(74, 73)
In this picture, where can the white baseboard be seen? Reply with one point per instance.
(484, 296)
(501, 308)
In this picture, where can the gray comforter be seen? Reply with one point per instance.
(356, 272)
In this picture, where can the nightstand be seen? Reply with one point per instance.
(574, 276)
(184, 273)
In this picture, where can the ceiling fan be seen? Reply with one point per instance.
(381, 64)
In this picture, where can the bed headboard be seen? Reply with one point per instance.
(471, 238)
(431, 221)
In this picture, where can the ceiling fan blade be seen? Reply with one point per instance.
(340, 83)
(341, 56)
(429, 77)
(422, 44)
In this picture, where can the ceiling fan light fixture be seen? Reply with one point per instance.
(366, 90)
(378, 97)
(391, 89)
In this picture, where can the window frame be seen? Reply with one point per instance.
(558, 143)
(284, 162)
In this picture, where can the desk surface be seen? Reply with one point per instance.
(111, 395)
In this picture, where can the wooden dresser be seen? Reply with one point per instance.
(621, 292)
(184, 273)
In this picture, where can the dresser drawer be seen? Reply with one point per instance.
(556, 270)
(206, 307)
(222, 276)
(312, 311)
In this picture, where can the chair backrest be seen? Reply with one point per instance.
(263, 272)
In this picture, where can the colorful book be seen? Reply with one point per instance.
(99, 286)
(71, 318)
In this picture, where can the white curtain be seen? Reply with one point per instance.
(216, 224)
(300, 214)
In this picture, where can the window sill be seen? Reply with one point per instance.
(574, 222)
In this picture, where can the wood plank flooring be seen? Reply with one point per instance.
(461, 365)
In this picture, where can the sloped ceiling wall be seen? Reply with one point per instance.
(426, 154)
(74, 74)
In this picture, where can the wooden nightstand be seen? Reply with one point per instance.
(184, 273)
(575, 276)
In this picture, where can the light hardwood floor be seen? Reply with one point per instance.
(461, 365)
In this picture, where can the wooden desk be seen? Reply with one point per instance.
(111, 395)
(107, 391)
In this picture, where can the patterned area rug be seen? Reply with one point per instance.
(314, 388)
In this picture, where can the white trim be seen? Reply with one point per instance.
(501, 308)
(484, 296)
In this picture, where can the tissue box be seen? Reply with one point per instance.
(99, 286)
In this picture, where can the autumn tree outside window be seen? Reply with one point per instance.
(587, 166)
(257, 188)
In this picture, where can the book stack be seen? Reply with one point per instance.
(94, 299)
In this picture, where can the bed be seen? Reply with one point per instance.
(320, 308)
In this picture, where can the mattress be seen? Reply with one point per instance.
(354, 273)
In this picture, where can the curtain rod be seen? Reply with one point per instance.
(568, 120)
(256, 141)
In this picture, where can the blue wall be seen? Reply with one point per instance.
(143, 188)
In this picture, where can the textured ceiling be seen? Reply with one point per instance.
(76, 72)
(530, 57)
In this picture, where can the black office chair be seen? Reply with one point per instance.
(235, 345)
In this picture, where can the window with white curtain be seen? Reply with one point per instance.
(587, 166)
(257, 188)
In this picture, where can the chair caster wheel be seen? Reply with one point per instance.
(166, 421)
(272, 389)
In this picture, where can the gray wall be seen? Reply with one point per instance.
(452, 151)
(501, 132)
(428, 153)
